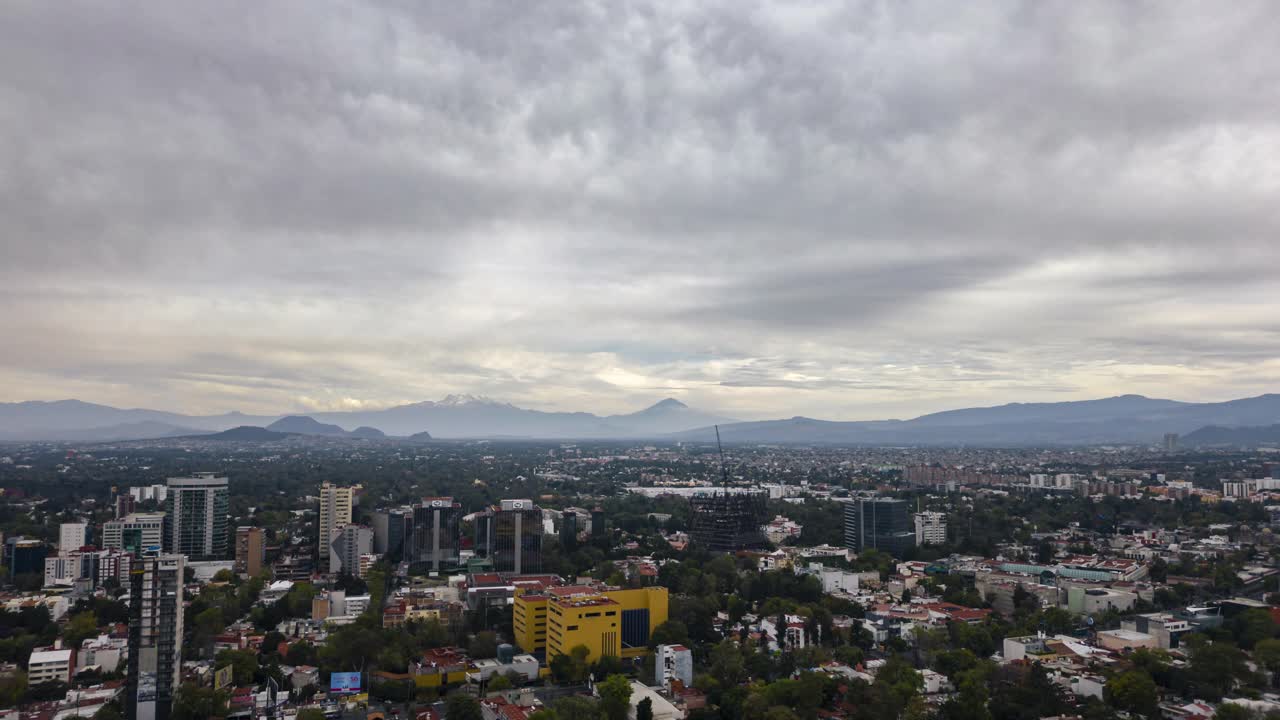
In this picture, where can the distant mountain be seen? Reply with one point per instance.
(1216, 435)
(367, 433)
(303, 425)
(421, 436)
(1128, 419)
(129, 431)
(246, 433)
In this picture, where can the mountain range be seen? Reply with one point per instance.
(456, 416)
(1115, 420)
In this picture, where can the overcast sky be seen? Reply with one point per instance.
(839, 209)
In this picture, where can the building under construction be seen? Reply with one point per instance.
(727, 522)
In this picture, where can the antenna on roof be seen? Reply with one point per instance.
(724, 471)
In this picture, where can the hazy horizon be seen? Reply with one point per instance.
(840, 210)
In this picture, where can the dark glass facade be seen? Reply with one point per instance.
(881, 523)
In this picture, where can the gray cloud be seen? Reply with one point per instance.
(841, 209)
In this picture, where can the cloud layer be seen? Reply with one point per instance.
(840, 209)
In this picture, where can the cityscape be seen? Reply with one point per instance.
(639, 360)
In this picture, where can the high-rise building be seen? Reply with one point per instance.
(24, 556)
(94, 566)
(607, 622)
(435, 537)
(155, 636)
(878, 522)
(727, 522)
(250, 551)
(391, 528)
(335, 513)
(196, 517)
(569, 530)
(72, 536)
(136, 532)
(125, 505)
(931, 528)
(1170, 441)
(348, 544)
(510, 535)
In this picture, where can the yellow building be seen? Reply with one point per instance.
(606, 622)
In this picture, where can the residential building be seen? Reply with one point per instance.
(134, 533)
(156, 493)
(55, 664)
(251, 551)
(878, 523)
(1167, 629)
(781, 529)
(348, 544)
(103, 652)
(24, 556)
(931, 528)
(124, 505)
(72, 536)
(510, 535)
(155, 636)
(673, 663)
(607, 622)
(335, 512)
(95, 566)
(196, 517)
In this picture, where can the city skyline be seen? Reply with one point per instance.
(849, 211)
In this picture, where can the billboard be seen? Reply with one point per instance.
(222, 677)
(344, 683)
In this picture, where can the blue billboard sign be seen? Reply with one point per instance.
(344, 683)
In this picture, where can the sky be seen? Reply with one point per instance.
(847, 210)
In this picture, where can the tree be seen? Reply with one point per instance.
(460, 706)
(498, 683)
(1267, 653)
(644, 710)
(615, 697)
(895, 686)
(1252, 626)
(1215, 667)
(726, 663)
(192, 702)
(82, 626)
(671, 632)
(575, 707)
(310, 714)
(484, 645)
(1233, 711)
(1134, 691)
(244, 664)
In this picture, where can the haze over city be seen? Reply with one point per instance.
(841, 210)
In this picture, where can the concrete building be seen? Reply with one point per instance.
(662, 708)
(1090, 601)
(155, 636)
(931, 528)
(156, 493)
(104, 652)
(72, 536)
(608, 622)
(56, 664)
(196, 516)
(1118, 640)
(673, 662)
(134, 533)
(97, 567)
(251, 551)
(348, 544)
(335, 513)
(1165, 628)
(880, 523)
(510, 535)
